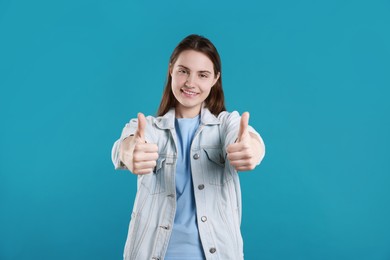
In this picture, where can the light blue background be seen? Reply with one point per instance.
(313, 74)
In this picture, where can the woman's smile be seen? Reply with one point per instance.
(189, 93)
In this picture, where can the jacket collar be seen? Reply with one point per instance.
(167, 121)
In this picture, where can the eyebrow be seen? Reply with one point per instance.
(201, 71)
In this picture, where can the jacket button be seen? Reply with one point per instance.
(165, 227)
(201, 186)
(204, 219)
(212, 250)
(196, 156)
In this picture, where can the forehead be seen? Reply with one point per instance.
(194, 60)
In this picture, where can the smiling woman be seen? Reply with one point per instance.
(189, 50)
(188, 202)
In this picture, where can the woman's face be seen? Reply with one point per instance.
(192, 79)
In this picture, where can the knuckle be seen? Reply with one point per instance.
(247, 155)
(136, 157)
(135, 165)
(229, 148)
(137, 147)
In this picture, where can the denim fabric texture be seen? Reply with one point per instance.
(216, 183)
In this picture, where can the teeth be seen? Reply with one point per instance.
(189, 92)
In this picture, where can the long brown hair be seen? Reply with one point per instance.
(215, 102)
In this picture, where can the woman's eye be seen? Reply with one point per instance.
(203, 76)
(183, 71)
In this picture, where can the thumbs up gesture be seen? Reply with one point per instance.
(244, 153)
(138, 156)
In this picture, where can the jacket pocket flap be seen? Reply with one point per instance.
(159, 164)
(215, 155)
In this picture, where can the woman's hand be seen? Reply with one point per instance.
(247, 151)
(138, 156)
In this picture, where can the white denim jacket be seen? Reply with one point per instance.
(216, 188)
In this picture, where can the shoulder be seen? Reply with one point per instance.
(227, 117)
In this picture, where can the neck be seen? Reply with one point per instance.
(187, 112)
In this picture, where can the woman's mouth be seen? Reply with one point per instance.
(189, 93)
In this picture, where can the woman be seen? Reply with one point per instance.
(188, 202)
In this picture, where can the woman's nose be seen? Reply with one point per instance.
(190, 81)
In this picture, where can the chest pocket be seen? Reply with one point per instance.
(215, 166)
(155, 182)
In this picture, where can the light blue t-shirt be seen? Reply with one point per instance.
(185, 243)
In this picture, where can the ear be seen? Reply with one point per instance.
(216, 78)
(170, 69)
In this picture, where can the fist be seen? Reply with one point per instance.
(242, 154)
(138, 156)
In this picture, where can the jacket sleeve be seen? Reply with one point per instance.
(130, 129)
(230, 125)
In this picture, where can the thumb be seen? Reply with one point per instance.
(141, 127)
(242, 133)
